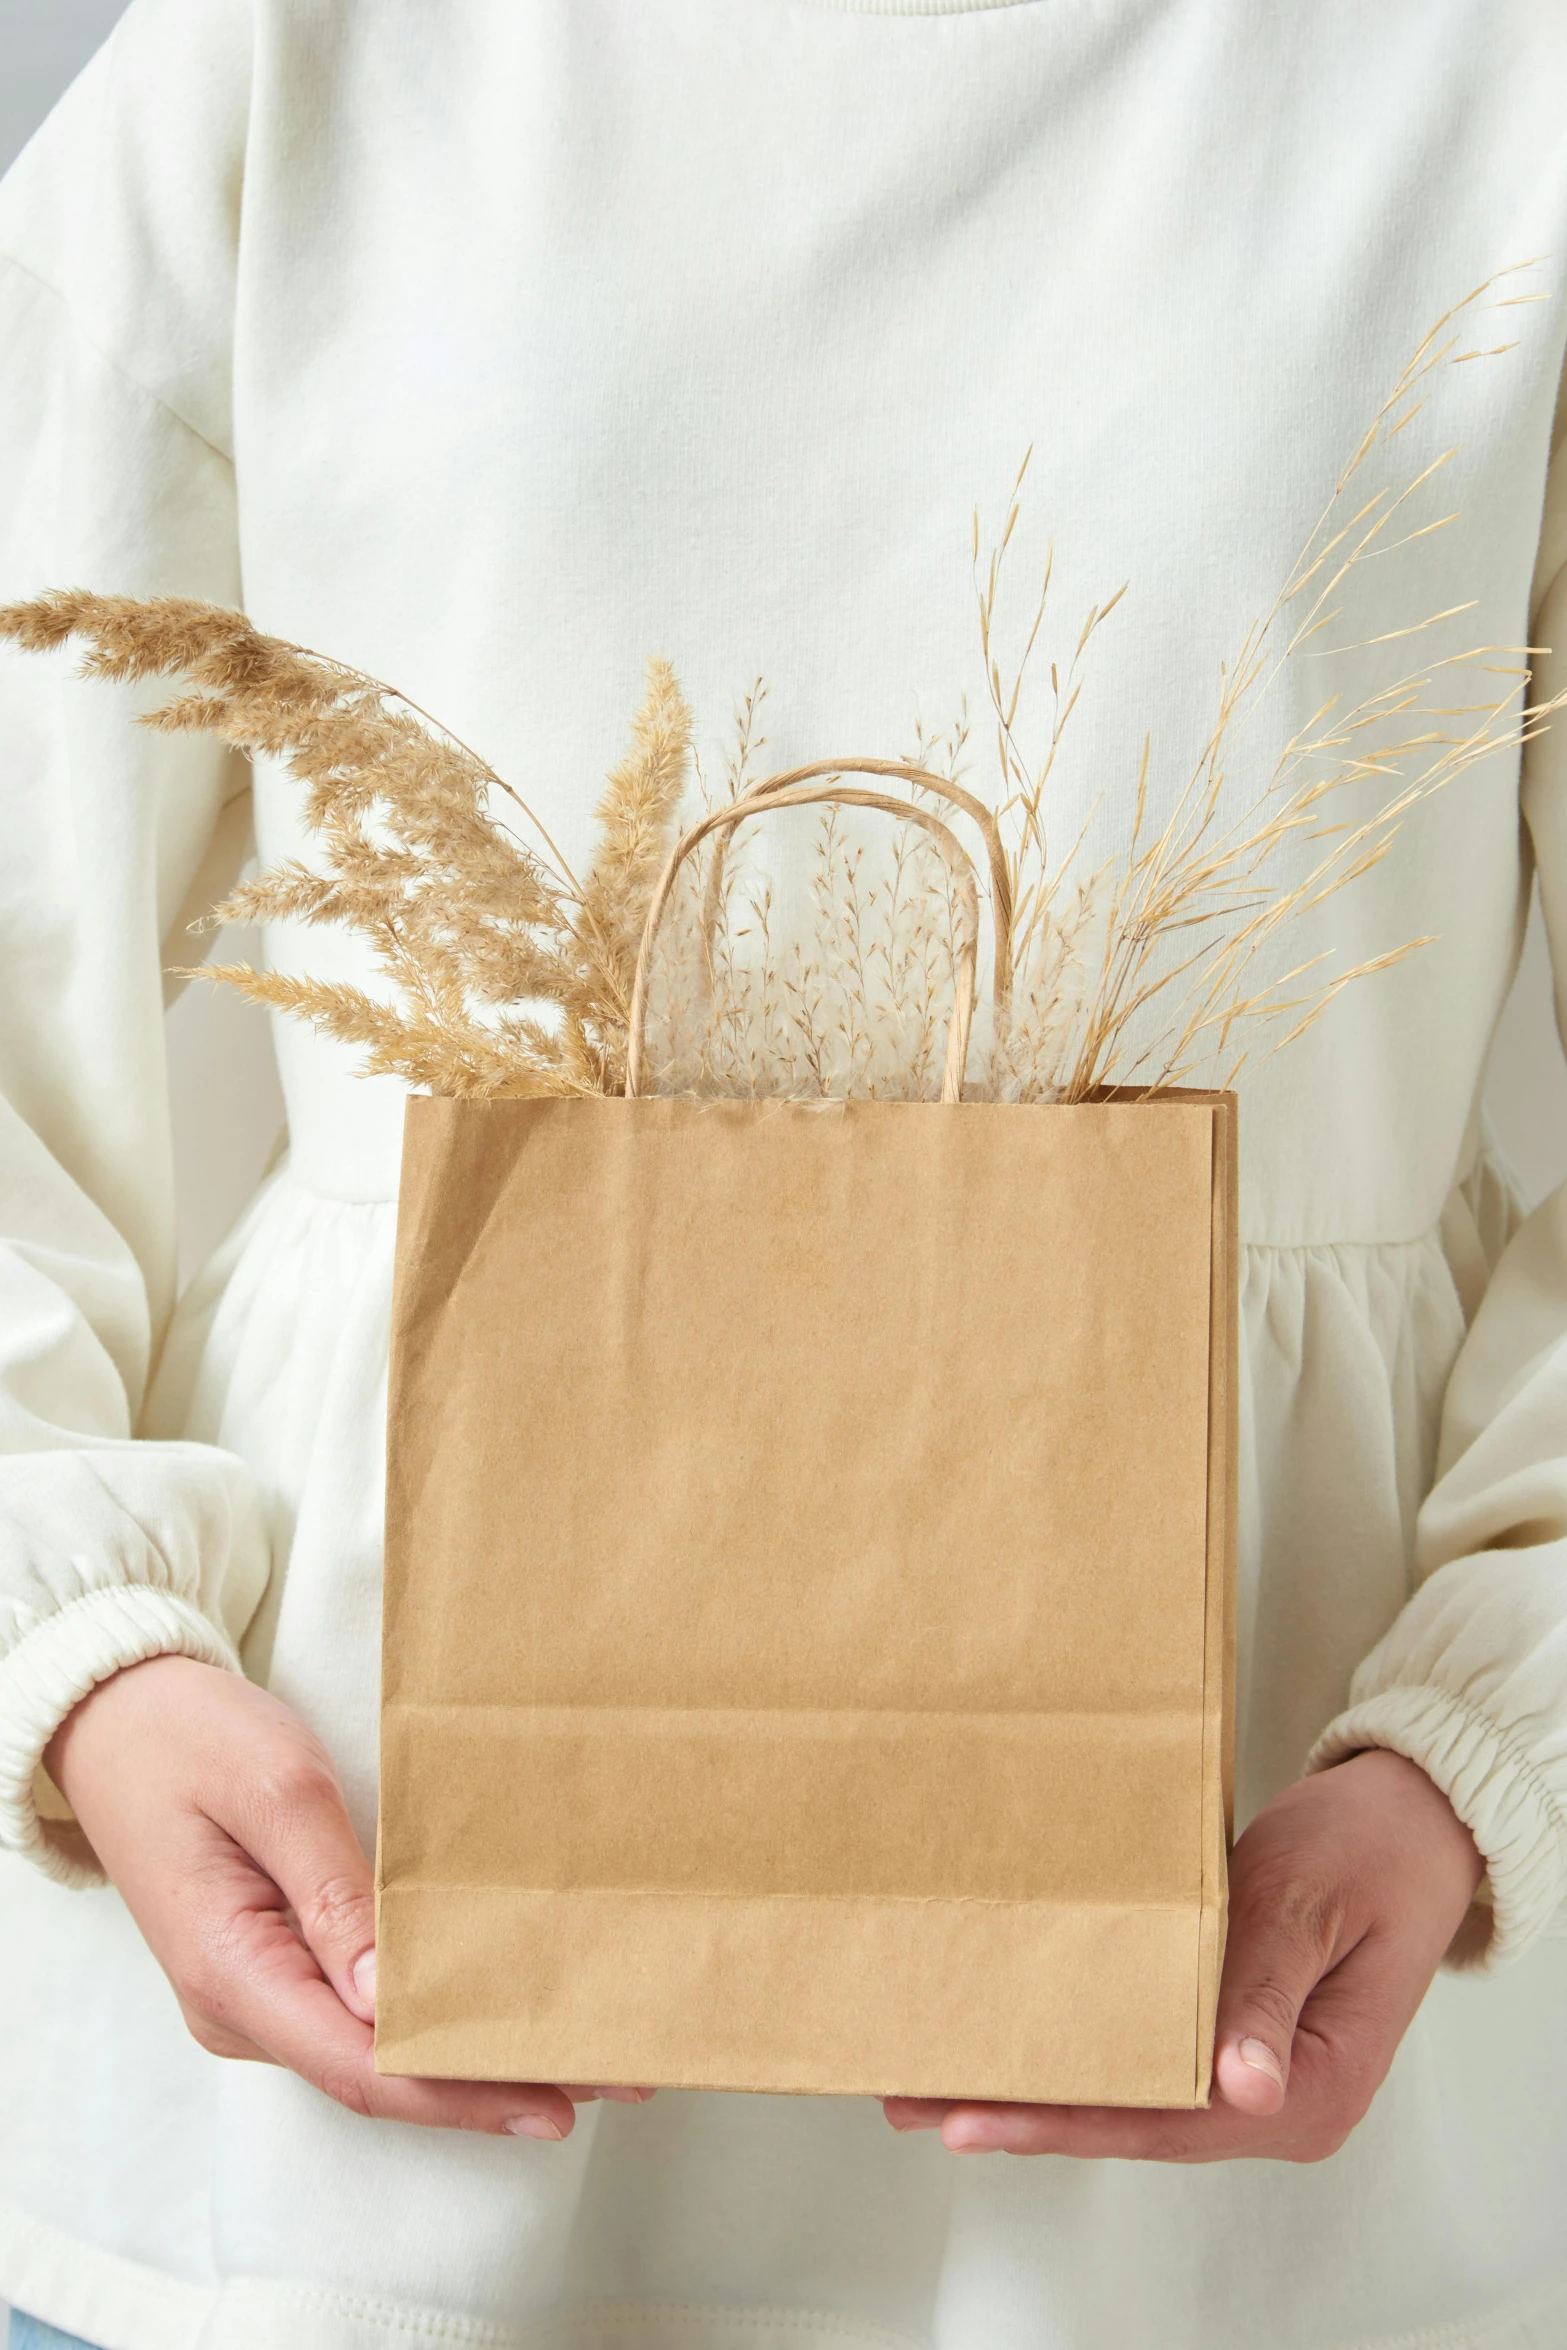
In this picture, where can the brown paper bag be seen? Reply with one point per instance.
(809, 1549)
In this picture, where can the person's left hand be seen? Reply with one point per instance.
(1344, 1893)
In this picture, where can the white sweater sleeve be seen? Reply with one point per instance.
(1471, 1680)
(117, 237)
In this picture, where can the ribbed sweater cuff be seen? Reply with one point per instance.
(1496, 1790)
(53, 1667)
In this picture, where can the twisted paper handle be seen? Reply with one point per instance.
(789, 791)
(940, 787)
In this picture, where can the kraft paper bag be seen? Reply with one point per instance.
(807, 1624)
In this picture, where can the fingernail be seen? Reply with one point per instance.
(976, 2136)
(533, 2125)
(905, 2118)
(363, 1979)
(1261, 2058)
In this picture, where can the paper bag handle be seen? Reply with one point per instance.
(779, 794)
(941, 787)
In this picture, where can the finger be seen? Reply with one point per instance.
(1281, 1943)
(1102, 2132)
(916, 2113)
(217, 2041)
(245, 1976)
(267, 1989)
(1279, 1947)
(581, 2095)
(293, 1822)
(1132, 2133)
(1250, 2074)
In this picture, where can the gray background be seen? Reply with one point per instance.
(227, 1108)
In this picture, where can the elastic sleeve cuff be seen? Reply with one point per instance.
(51, 1669)
(1494, 1787)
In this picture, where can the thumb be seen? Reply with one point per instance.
(1272, 1964)
(297, 1829)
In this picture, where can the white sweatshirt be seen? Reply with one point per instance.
(492, 346)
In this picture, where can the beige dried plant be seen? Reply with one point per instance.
(1147, 966)
(500, 973)
(503, 974)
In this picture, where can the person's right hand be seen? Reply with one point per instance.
(218, 1815)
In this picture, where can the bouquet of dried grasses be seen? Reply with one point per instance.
(506, 974)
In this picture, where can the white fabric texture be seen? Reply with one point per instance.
(493, 347)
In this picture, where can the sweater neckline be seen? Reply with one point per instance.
(915, 7)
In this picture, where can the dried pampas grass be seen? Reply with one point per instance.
(479, 936)
(502, 973)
